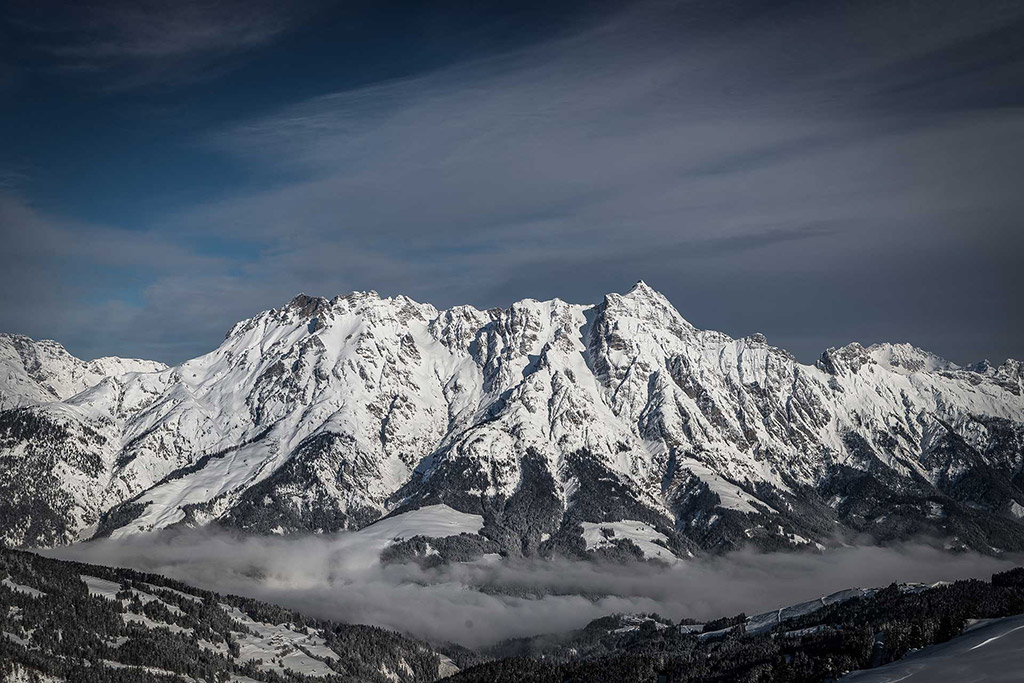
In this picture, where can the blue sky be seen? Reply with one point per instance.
(820, 172)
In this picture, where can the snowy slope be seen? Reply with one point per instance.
(544, 419)
(598, 535)
(41, 371)
(433, 521)
(992, 652)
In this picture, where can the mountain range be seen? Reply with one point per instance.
(616, 429)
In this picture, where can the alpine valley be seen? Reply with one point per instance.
(617, 429)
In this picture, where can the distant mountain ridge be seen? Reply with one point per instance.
(553, 421)
(39, 371)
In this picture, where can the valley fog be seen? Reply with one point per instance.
(475, 604)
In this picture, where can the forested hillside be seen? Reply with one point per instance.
(76, 622)
(67, 621)
(810, 644)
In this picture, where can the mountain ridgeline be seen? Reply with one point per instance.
(571, 429)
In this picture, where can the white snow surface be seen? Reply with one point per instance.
(767, 620)
(301, 650)
(101, 588)
(187, 596)
(21, 674)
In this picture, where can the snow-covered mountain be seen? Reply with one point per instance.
(40, 371)
(548, 419)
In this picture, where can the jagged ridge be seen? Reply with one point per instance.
(543, 417)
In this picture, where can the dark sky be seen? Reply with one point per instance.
(821, 172)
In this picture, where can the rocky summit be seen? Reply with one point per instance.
(617, 428)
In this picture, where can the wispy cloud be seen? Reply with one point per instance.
(121, 44)
(793, 171)
(651, 145)
(78, 282)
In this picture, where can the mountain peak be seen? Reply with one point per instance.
(905, 357)
(38, 371)
(642, 288)
(643, 302)
(307, 306)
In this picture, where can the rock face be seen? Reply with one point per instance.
(329, 414)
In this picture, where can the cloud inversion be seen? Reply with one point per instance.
(337, 577)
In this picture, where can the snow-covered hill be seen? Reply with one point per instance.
(548, 419)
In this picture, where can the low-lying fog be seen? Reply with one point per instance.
(338, 577)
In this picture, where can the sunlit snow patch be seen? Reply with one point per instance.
(604, 534)
(101, 588)
(433, 521)
(731, 496)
